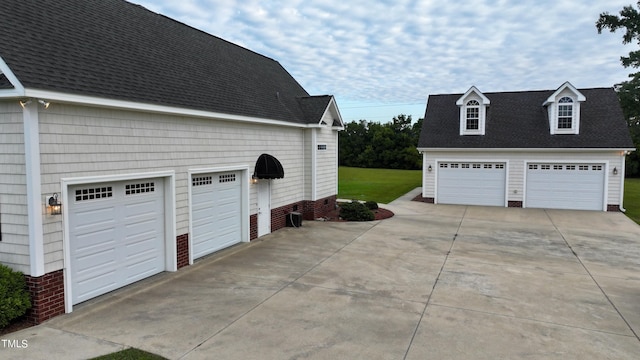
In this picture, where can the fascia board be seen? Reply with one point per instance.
(485, 100)
(566, 85)
(422, 149)
(18, 88)
(332, 103)
(163, 109)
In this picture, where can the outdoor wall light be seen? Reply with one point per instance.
(429, 168)
(254, 179)
(44, 103)
(615, 171)
(55, 207)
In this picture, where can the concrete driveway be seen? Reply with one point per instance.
(433, 282)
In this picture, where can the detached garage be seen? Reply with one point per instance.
(555, 149)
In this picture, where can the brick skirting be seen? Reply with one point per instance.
(611, 207)
(515, 204)
(253, 227)
(182, 245)
(428, 200)
(310, 210)
(47, 296)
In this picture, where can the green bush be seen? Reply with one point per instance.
(371, 205)
(355, 211)
(14, 297)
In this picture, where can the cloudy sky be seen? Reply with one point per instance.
(384, 58)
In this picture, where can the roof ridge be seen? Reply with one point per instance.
(200, 30)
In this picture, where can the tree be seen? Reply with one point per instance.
(390, 145)
(628, 91)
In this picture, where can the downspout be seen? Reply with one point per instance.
(424, 174)
(622, 171)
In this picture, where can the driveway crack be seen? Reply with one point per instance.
(592, 278)
(435, 283)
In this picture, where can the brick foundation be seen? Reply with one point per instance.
(182, 245)
(428, 200)
(611, 207)
(279, 215)
(319, 208)
(253, 227)
(310, 210)
(515, 204)
(47, 296)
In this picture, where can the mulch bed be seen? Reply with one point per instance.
(17, 324)
(380, 214)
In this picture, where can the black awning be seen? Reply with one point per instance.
(268, 167)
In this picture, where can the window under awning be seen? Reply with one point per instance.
(268, 167)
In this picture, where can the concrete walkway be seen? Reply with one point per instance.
(433, 282)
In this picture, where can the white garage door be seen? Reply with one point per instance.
(216, 212)
(565, 186)
(471, 183)
(116, 235)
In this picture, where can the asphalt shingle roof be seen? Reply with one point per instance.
(518, 120)
(117, 50)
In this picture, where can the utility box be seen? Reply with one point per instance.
(294, 219)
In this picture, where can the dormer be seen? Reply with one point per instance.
(563, 108)
(473, 112)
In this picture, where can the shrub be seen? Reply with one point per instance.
(14, 297)
(355, 211)
(371, 205)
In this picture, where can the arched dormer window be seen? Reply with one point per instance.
(473, 115)
(473, 112)
(563, 109)
(565, 113)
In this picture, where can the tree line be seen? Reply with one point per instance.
(389, 145)
(628, 91)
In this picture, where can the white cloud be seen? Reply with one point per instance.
(380, 52)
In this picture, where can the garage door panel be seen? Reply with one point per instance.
(117, 237)
(565, 186)
(90, 220)
(471, 183)
(216, 212)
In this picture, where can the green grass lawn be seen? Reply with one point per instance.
(379, 185)
(632, 198)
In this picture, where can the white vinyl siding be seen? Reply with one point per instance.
(516, 167)
(327, 164)
(307, 154)
(14, 247)
(82, 141)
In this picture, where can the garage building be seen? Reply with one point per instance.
(556, 149)
(133, 144)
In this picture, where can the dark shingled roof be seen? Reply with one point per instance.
(117, 50)
(518, 120)
(314, 106)
(4, 82)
